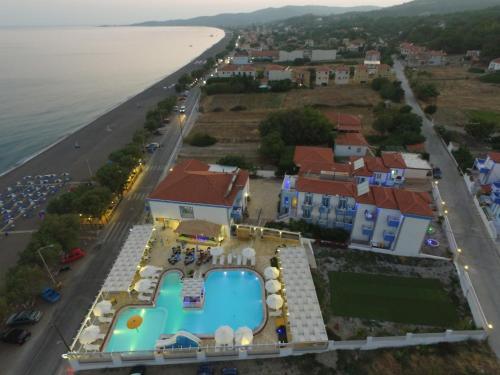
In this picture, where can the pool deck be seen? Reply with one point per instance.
(161, 249)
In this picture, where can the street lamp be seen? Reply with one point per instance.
(39, 251)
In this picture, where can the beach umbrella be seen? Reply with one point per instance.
(248, 252)
(272, 286)
(143, 285)
(134, 322)
(216, 251)
(271, 273)
(224, 335)
(243, 336)
(89, 335)
(274, 301)
(102, 308)
(148, 271)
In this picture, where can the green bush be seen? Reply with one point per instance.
(425, 91)
(236, 161)
(480, 130)
(201, 140)
(476, 70)
(463, 157)
(430, 109)
(491, 78)
(238, 108)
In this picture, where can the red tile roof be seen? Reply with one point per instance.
(413, 203)
(342, 68)
(344, 122)
(495, 156)
(247, 68)
(323, 69)
(419, 147)
(329, 187)
(496, 61)
(384, 197)
(275, 67)
(192, 182)
(367, 198)
(313, 159)
(375, 164)
(393, 160)
(270, 53)
(351, 139)
(229, 68)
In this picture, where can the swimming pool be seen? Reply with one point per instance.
(232, 297)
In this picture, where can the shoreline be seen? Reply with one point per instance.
(105, 111)
(139, 103)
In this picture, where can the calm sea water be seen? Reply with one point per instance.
(55, 80)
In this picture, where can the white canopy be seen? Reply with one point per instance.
(148, 271)
(274, 301)
(192, 287)
(102, 308)
(224, 335)
(271, 273)
(143, 285)
(248, 252)
(243, 336)
(216, 251)
(123, 271)
(273, 286)
(89, 335)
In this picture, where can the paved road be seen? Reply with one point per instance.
(480, 253)
(42, 355)
(108, 133)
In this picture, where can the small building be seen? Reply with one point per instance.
(323, 75)
(319, 55)
(277, 73)
(494, 65)
(361, 74)
(355, 45)
(416, 167)
(385, 71)
(342, 75)
(436, 58)
(397, 166)
(194, 190)
(241, 58)
(233, 70)
(488, 169)
(301, 76)
(351, 144)
(372, 57)
(473, 54)
(285, 56)
(343, 122)
(308, 43)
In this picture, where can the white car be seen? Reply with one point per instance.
(182, 109)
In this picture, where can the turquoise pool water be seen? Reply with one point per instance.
(233, 298)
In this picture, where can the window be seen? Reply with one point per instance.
(186, 212)
(342, 203)
(378, 176)
(358, 149)
(325, 201)
(308, 198)
(306, 213)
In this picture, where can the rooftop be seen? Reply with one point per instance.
(494, 156)
(393, 160)
(415, 161)
(313, 159)
(330, 187)
(415, 203)
(191, 181)
(351, 139)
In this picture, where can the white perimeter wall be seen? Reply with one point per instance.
(323, 55)
(411, 235)
(291, 56)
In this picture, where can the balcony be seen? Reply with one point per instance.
(351, 211)
(237, 213)
(348, 227)
(370, 216)
(367, 230)
(393, 221)
(480, 165)
(389, 236)
(324, 210)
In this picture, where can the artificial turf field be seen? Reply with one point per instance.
(391, 298)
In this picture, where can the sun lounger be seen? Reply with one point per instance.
(144, 297)
(275, 313)
(238, 261)
(252, 261)
(222, 259)
(101, 336)
(104, 319)
(214, 260)
(92, 347)
(229, 258)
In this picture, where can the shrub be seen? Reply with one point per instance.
(480, 130)
(491, 78)
(430, 109)
(201, 140)
(463, 157)
(235, 161)
(476, 70)
(425, 91)
(218, 109)
(237, 108)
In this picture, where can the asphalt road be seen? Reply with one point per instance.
(97, 140)
(479, 252)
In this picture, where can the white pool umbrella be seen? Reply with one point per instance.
(143, 285)
(274, 301)
(248, 252)
(272, 286)
(102, 308)
(216, 251)
(148, 271)
(243, 336)
(224, 335)
(89, 335)
(271, 273)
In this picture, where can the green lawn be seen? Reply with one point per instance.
(391, 298)
(484, 116)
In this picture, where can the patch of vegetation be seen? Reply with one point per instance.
(476, 70)
(397, 127)
(388, 90)
(281, 86)
(238, 108)
(201, 140)
(233, 85)
(464, 157)
(392, 298)
(425, 91)
(430, 109)
(484, 116)
(236, 161)
(312, 230)
(490, 78)
(155, 117)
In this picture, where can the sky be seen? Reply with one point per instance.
(98, 12)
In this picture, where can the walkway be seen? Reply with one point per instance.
(479, 251)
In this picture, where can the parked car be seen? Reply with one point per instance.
(50, 295)
(16, 336)
(437, 173)
(72, 255)
(166, 120)
(229, 371)
(182, 109)
(176, 108)
(24, 317)
(138, 370)
(205, 370)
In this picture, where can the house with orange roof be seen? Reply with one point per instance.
(194, 190)
(372, 57)
(342, 75)
(301, 76)
(385, 71)
(234, 70)
(275, 72)
(323, 75)
(351, 144)
(361, 74)
(344, 122)
(263, 55)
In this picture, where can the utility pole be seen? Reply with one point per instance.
(39, 251)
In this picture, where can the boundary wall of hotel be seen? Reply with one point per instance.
(465, 281)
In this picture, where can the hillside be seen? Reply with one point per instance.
(427, 7)
(259, 16)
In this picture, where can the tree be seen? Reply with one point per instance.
(112, 176)
(425, 91)
(235, 161)
(480, 130)
(383, 123)
(463, 157)
(430, 109)
(94, 202)
(272, 146)
(23, 283)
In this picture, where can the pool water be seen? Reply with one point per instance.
(232, 297)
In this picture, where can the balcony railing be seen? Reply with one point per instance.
(370, 216)
(389, 236)
(393, 221)
(367, 230)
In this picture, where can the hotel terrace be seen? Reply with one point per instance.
(176, 298)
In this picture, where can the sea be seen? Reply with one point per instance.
(54, 80)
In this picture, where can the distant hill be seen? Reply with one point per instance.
(259, 16)
(428, 7)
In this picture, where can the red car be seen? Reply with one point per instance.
(72, 255)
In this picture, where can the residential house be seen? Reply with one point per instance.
(385, 71)
(323, 75)
(355, 45)
(436, 58)
(488, 170)
(285, 56)
(277, 73)
(342, 75)
(308, 43)
(494, 65)
(473, 54)
(372, 57)
(416, 167)
(233, 70)
(241, 58)
(301, 76)
(361, 74)
(194, 190)
(408, 49)
(378, 171)
(343, 122)
(319, 162)
(396, 163)
(351, 144)
(318, 55)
